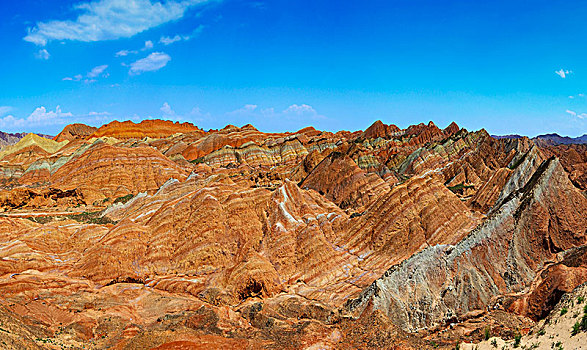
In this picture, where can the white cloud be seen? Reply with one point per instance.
(93, 114)
(167, 110)
(110, 19)
(123, 53)
(563, 73)
(576, 115)
(42, 54)
(40, 116)
(247, 110)
(148, 45)
(294, 112)
(91, 75)
(166, 40)
(151, 63)
(75, 78)
(250, 107)
(96, 71)
(300, 110)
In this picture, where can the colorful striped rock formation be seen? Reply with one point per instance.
(160, 235)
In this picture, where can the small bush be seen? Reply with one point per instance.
(576, 328)
(580, 300)
(517, 339)
(583, 324)
(564, 310)
(487, 333)
(541, 332)
(494, 343)
(198, 160)
(123, 199)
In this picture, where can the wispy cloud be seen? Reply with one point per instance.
(195, 115)
(110, 19)
(123, 53)
(563, 73)
(42, 54)
(168, 40)
(294, 112)
(98, 71)
(576, 115)
(151, 63)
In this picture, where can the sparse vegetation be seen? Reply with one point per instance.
(564, 310)
(541, 332)
(123, 199)
(198, 160)
(517, 339)
(580, 300)
(487, 333)
(40, 219)
(494, 343)
(460, 187)
(91, 217)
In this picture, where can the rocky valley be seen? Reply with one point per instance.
(161, 235)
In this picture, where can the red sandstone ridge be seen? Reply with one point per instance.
(378, 129)
(160, 235)
(75, 131)
(147, 128)
(451, 129)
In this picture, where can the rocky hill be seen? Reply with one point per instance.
(9, 139)
(161, 235)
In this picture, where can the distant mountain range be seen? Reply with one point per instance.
(8, 139)
(553, 139)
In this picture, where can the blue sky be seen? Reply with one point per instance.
(506, 66)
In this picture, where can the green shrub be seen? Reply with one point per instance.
(517, 339)
(584, 323)
(123, 199)
(576, 328)
(487, 333)
(494, 343)
(564, 310)
(198, 160)
(580, 300)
